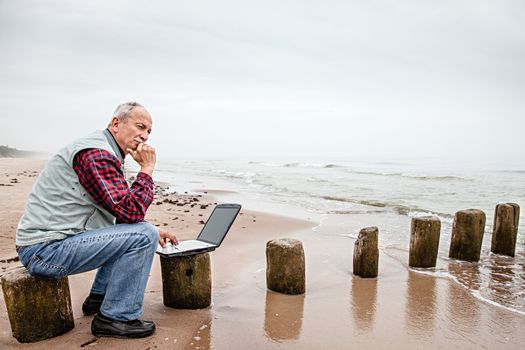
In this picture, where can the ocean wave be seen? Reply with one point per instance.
(316, 180)
(349, 169)
(416, 212)
(292, 165)
(402, 209)
(337, 199)
(372, 203)
(350, 212)
(242, 175)
(411, 211)
(312, 165)
(374, 173)
(266, 164)
(296, 165)
(437, 177)
(411, 176)
(510, 171)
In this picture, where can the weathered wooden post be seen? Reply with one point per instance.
(366, 253)
(424, 241)
(467, 235)
(186, 281)
(285, 267)
(38, 308)
(505, 229)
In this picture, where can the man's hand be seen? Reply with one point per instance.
(146, 156)
(166, 235)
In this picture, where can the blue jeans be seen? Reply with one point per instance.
(122, 253)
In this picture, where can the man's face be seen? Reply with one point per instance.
(135, 130)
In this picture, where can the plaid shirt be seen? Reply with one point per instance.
(100, 173)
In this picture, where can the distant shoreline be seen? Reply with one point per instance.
(8, 152)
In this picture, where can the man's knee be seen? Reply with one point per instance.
(150, 231)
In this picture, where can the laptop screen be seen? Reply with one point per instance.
(219, 223)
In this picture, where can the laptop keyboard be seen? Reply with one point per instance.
(185, 246)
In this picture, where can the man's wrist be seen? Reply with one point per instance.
(147, 170)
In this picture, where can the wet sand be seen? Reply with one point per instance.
(399, 309)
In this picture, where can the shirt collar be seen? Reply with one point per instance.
(113, 143)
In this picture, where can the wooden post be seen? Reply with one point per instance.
(38, 308)
(186, 281)
(424, 241)
(285, 270)
(366, 253)
(467, 235)
(505, 229)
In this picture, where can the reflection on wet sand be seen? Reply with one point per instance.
(421, 302)
(500, 285)
(364, 298)
(201, 338)
(466, 273)
(464, 311)
(283, 316)
(497, 278)
(506, 282)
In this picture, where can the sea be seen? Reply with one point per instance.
(347, 195)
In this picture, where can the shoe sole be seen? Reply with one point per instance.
(111, 335)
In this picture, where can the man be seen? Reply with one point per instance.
(82, 215)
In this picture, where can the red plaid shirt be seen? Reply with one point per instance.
(100, 173)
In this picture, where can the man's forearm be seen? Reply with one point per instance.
(100, 174)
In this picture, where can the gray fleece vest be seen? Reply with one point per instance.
(58, 205)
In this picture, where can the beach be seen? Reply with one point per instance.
(400, 309)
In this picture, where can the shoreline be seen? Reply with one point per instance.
(400, 309)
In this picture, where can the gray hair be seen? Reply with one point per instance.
(123, 111)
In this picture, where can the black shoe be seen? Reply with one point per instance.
(103, 326)
(92, 304)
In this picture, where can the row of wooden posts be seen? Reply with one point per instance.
(468, 229)
(285, 270)
(41, 308)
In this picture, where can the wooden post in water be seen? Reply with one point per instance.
(38, 308)
(186, 281)
(285, 268)
(424, 241)
(505, 229)
(467, 235)
(366, 253)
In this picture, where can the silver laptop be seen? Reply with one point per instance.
(211, 235)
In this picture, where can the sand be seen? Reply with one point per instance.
(401, 309)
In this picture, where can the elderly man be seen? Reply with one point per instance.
(82, 215)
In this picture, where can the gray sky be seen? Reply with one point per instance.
(229, 79)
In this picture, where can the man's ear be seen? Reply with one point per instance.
(115, 122)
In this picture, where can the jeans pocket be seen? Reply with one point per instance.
(23, 256)
(38, 267)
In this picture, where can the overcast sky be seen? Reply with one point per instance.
(243, 79)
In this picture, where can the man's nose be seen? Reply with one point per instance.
(144, 137)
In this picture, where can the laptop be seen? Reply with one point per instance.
(211, 235)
